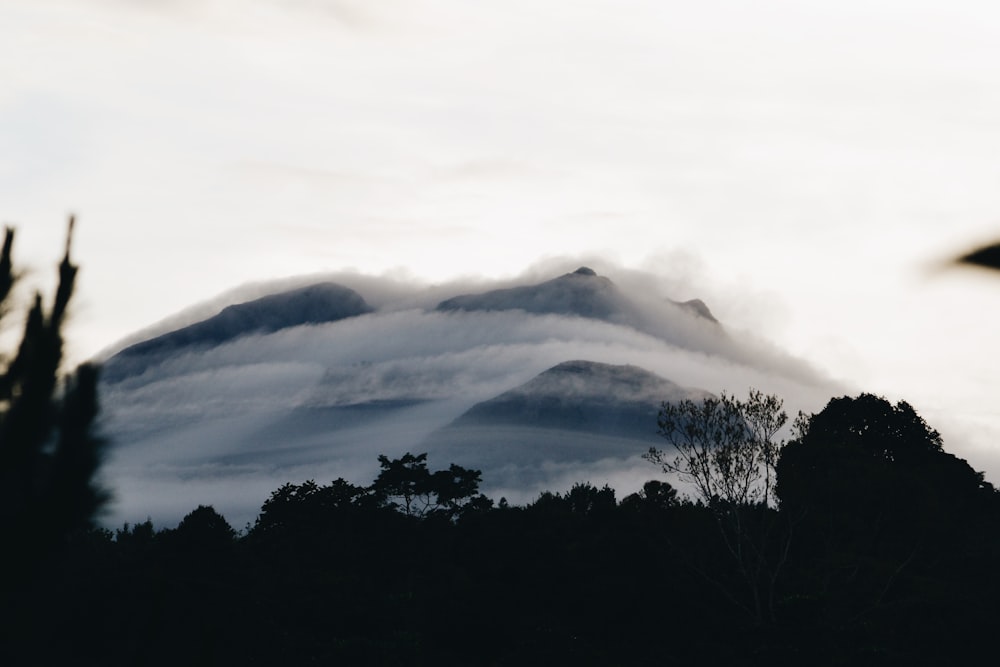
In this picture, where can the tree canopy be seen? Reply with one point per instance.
(724, 446)
(860, 541)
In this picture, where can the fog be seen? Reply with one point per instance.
(228, 424)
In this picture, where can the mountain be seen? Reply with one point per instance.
(314, 304)
(575, 411)
(697, 307)
(582, 396)
(582, 293)
(585, 294)
(224, 411)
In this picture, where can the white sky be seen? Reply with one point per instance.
(801, 164)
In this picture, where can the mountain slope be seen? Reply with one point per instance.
(575, 411)
(585, 294)
(582, 293)
(218, 412)
(582, 396)
(322, 302)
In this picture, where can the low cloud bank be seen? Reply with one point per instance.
(227, 425)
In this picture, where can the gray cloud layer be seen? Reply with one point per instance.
(229, 424)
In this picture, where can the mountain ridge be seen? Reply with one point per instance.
(581, 395)
(313, 304)
(582, 293)
(576, 412)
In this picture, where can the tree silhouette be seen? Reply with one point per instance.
(406, 484)
(725, 447)
(307, 508)
(654, 496)
(204, 528)
(890, 521)
(48, 458)
(48, 453)
(856, 450)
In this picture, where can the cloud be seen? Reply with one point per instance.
(322, 401)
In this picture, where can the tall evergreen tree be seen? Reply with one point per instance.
(48, 453)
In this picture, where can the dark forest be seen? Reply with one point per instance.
(859, 541)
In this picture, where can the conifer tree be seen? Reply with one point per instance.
(48, 453)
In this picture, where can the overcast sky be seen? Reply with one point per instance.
(802, 166)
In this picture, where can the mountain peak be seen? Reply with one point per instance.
(697, 307)
(598, 381)
(582, 293)
(616, 402)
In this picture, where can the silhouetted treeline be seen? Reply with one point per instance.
(882, 549)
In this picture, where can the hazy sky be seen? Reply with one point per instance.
(802, 166)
